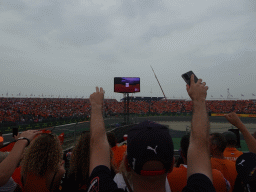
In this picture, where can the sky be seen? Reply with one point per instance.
(67, 48)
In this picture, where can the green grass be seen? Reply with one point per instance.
(176, 143)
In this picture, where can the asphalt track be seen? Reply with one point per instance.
(177, 125)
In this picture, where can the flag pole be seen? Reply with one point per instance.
(158, 82)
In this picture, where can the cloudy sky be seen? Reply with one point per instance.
(66, 48)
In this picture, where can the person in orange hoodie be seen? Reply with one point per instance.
(118, 151)
(218, 144)
(178, 177)
(231, 153)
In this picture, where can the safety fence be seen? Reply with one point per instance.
(8, 126)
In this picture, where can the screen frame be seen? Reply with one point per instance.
(127, 78)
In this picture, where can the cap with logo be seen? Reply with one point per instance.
(149, 141)
(246, 167)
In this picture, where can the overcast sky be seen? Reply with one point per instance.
(64, 47)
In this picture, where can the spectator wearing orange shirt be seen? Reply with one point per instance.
(42, 166)
(218, 144)
(1, 140)
(178, 177)
(118, 152)
(231, 153)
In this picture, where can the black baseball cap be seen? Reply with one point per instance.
(246, 167)
(149, 141)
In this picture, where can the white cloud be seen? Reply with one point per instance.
(60, 45)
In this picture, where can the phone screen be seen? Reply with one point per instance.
(187, 76)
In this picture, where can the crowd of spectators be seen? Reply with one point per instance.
(146, 163)
(38, 109)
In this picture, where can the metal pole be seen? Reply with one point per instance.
(158, 82)
(128, 112)
(75, 133)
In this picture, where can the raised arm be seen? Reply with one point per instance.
(249, 139)
(9, 164)
(198, 159)
(99, 146)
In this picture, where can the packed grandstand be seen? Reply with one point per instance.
(38, 109)
(70, 171)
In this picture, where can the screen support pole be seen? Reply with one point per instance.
(126, 108)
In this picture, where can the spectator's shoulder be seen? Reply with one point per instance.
(199, 182)
(101, 180)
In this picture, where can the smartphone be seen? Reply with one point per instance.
(187, 76)
(15, 131)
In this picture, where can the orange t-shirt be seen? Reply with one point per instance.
(1, 139)
(178, 180)
(118, 154)
(34, 183)
(227, 168)
(232, 154)
(17, 176)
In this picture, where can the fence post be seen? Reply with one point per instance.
(75, 133)
(187, 129)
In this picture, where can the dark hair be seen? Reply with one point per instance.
(111, 139)
(219, 140)
(184, 143)
(230, 138)
(0, 133)
(231, 142)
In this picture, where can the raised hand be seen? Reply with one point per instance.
(30, 134)
(97, 97)
(197, 91)
(234, 119)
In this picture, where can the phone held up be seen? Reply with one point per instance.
(187, 76)
(14, 131)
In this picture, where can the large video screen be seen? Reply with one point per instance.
(126, 84)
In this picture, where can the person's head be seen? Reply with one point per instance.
(246, 170)
(230, 138)
(80, 158)
(111, 139)
(218, 143)
(184, 144)
(43, 155)
(150, 150)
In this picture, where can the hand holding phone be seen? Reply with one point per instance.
(187, 77)
(197, 91)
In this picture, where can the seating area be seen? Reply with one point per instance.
(39, 109)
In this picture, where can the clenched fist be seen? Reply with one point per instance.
(234, 119)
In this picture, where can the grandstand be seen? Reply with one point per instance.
(25, 110)
(63, 114)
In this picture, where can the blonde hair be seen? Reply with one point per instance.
(80, 158)
(43, 154)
